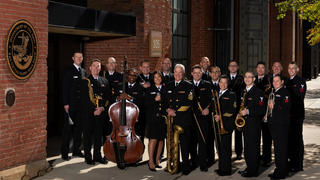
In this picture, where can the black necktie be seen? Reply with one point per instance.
(130, 86)
(79, 70)
(177, 84)
(197, 84)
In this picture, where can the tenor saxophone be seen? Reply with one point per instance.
(172, 141)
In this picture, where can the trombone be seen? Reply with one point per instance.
(221, 129)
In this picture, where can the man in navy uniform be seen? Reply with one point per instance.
(297, 88)
(205, 64)
(252, 112)
(215, 74)
(71, 100)
(113, 77)
(135, 93)
(179, 94)
(236, 85)
(264, 82)
(201, 105)
(166, 71)
(95, 99)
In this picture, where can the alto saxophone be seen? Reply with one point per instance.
(240, 121)
(172, 141)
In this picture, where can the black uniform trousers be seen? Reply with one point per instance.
(296, 145)
(238, 142)
(202, 146)
(225, 153)
(266, 143)
(279, 133)
(252, 147)
(74, 130)
(92, 135)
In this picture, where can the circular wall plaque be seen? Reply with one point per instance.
(22, 49)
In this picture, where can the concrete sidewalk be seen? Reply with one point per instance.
(77, 169)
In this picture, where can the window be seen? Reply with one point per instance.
(180, 48)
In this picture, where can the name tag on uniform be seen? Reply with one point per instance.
(152, 92)
(75, 77)
(181, 92)
(169, 91)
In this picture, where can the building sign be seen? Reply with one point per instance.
(155, 44)
(22, 49)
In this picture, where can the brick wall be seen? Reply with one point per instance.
(151, 15)
(23, 126)
(280, 39)
(202, 42)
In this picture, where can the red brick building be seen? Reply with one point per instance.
(246, 31)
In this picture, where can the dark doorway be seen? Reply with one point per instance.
(60, 51)
(223, 33)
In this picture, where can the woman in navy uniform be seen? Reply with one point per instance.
(155, 120)
(228, 107)
(279, 127)
(297, 88)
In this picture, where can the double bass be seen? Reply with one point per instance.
(123, 146)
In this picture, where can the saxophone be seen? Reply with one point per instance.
(94, 98)
(172, 142)
(240, 121)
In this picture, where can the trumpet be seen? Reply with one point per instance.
(218, 112)
(269, 111)
(240, 121)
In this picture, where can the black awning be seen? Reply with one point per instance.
(77, 20)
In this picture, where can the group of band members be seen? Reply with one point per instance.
(206, 107)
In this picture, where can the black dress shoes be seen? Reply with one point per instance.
(90, 162)
(66, 158)
(222, 173)
(275, 177)
(203, 168)
(78, 154)
(101, 160)
(158, 166)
